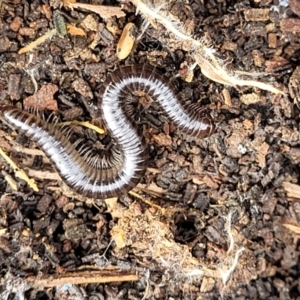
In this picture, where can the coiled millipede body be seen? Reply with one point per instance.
(129, 161)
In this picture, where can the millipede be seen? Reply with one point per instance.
(129, 157)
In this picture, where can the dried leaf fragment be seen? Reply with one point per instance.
(118, 236)
(43, 98)
(75, 30)
(114, 207)
(19, 172)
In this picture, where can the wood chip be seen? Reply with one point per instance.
(5, 245)
(209, 182)
(47, 11)
(90, 23)
(82, 87)
(229, 45)
(290, 25)
(61, 201)
(262, 151)
(258, 58)
(152, 189)
(292, 228)
(14, 90)
(163, 139)
(292, 190)
(272, 40)
(26, 31)
(4, 44)
(295, 6)
(85, 277)
(294, 85)
(274, 63)
(250, 98)
(16, 24)
(256, 14)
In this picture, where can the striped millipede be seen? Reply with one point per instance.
(128, 164)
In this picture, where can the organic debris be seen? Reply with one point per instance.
(214, 218)
(203, 55)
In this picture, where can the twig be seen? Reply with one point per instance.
(85, 277)
(16, 147)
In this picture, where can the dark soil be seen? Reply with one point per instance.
(226, 203)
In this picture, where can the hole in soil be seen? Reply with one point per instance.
(185, 229)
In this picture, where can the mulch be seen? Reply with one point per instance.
(216, 218)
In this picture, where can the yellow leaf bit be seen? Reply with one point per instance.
(19, 172)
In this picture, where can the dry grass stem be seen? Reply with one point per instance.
(203, 55)
(84, 277)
